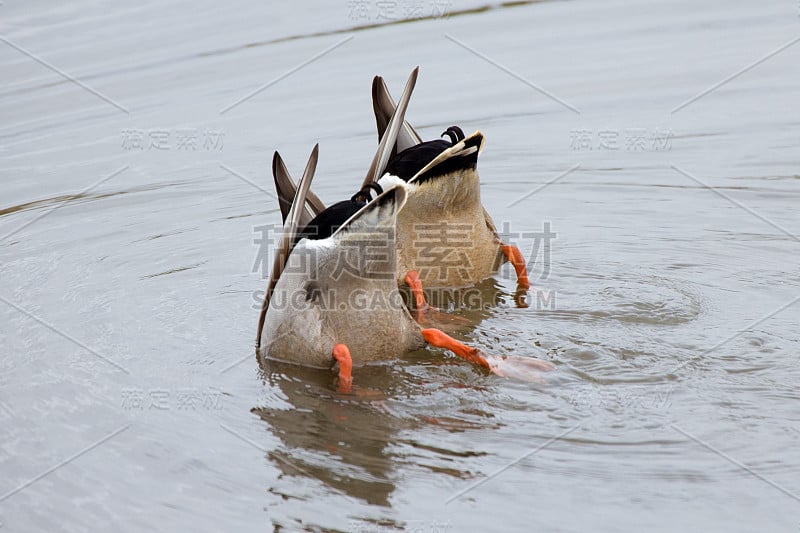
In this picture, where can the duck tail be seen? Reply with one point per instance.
(291, 225)
(390, 136)
(383, 105)
(286, 189)
(461, 156)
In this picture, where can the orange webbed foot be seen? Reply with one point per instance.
(516, 258)
(440, 339)
(413, 280)
(424, 313)
(521, 368)
(341, 353)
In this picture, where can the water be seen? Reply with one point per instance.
(128, 313)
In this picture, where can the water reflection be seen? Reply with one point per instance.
(340, 440)
(355, 443)
(358, 445)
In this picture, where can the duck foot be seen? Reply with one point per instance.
(515, 257)
(412, 280)
(424, 313)
(440, 339)
(521, 368)
(341, 353)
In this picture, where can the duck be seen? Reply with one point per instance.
(446, 237)
(311, 313)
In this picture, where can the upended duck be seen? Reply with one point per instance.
(445, 236)
(451, 201)
(311, 315)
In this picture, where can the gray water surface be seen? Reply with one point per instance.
(133, 161)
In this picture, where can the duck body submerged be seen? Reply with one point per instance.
(333, 293)
(444, 232)
(342, 289)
